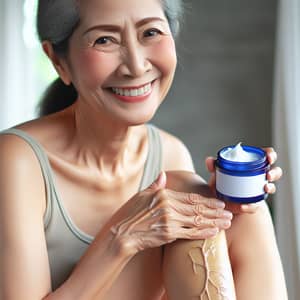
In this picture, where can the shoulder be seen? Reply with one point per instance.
(20, 172)
(176, 155)
(22, 206)
(14, 151)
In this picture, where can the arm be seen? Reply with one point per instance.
(24, 266)
(148, 220)
(249, 263)
(198, 268)
(255, 260)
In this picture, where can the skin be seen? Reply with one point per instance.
(98, 181)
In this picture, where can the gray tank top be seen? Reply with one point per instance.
(65, 241)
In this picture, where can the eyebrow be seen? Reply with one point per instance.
(116, 28)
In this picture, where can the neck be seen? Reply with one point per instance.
(103, 143)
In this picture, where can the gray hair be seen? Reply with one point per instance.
(57, 19)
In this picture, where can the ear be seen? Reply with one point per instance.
(58, 62)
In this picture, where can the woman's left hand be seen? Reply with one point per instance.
(273, 175)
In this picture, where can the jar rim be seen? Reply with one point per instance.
(261, 162)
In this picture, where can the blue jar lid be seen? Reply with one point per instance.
(254, 165)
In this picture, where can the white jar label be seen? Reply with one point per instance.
(240, 186)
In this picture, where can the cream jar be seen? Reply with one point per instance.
(241, 174)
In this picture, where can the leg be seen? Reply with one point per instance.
(198, 270)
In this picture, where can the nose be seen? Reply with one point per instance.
(134, 60)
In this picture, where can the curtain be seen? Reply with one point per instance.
(17, 95)
(287, 140)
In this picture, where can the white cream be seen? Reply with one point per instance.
(238, 154)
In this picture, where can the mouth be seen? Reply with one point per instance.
(132, 91)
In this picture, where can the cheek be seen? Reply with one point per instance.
(167, 59)
(94, 67)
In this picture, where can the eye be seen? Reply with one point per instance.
(104, 40)
(106, 43)
(152, 32)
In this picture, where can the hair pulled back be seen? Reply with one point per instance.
(56, 21)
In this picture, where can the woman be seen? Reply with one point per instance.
(112, 208)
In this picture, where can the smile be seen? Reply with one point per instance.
(133, 92)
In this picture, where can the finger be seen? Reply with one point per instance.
(238, 208)
(202, 210)
(168, 236)
(194, 199)
(270, 188)
(212, 181)
(210, 164)
(164, 218)
(201, 222)
(168, 222)
(271, 155)
(196, 234)
(159, 183)
(274, 174)
(250, 208)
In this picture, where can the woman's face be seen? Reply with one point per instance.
(122, 58)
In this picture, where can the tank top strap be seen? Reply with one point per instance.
(153, 164)
(44, 164)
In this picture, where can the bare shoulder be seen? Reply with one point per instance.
(49, 130)
(22, 206)
(176, 155)
(18, 161)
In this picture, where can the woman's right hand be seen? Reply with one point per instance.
(158, 216)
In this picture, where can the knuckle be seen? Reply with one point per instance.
(215, 223)
(210, 202)
(159, 194)
(162, 198)
(198, 209)
(192, 198)
(219, 213)
(166, 216)
(191, 234)
(198, 221)
(167, 233)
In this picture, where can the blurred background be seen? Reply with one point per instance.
(222, 93)
(238, 80)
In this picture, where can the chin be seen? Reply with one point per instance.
(136, 116)
(137, 119)
(140, 120)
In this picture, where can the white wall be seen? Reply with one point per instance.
(17, 94)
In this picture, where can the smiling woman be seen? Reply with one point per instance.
(59, 37)
(112, 205)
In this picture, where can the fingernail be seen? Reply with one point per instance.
(273, 156)
(249, 206)
(214, 230)
(269, 186)
(244, 206)
(220, 204)
(227, 214)
(271, 174)
(225, 224)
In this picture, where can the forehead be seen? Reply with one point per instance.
(108, 11)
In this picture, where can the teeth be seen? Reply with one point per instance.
(132, 92)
